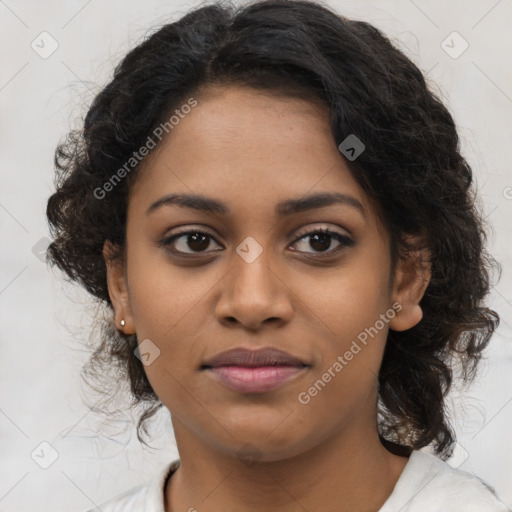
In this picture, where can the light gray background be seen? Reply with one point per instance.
(43, 326)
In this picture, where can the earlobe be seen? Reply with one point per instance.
(118, 289)
(411, 281)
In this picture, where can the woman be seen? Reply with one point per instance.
(273, 208)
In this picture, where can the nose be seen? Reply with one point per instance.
(253, 294)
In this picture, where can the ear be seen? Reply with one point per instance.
(118, 290)
(412, 277)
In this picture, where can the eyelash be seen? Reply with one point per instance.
(344, 241)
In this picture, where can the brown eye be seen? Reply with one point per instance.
(188, 242)
(321, 240)
(197, 241)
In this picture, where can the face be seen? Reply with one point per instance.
(265, 266)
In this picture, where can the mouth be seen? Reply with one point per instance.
(254, 371)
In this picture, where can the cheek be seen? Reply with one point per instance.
(351, 297)
(347, 304)
(162, 295)
(350, 345)
(166, 305)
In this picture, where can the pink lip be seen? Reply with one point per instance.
(255, 379)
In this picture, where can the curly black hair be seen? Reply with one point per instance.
(411, 168)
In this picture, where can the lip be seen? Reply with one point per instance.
(254, 371)
(251, 358)
(257, 379)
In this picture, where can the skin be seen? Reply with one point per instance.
(250, 151)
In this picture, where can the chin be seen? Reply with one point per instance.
(253, 445)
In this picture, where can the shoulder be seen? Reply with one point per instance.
(143, 498)
(430, 484)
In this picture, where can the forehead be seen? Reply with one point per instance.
(250, 148)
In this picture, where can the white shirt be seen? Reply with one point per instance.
(427, 484)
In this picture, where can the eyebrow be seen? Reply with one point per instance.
(284, 208)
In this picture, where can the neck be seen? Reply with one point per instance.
(351, 471)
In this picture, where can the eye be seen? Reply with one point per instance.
(321, 240)
(195, 240)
